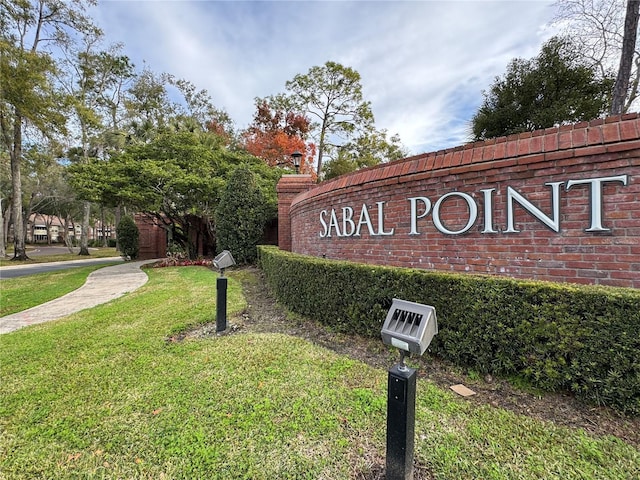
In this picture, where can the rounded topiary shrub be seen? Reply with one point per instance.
(128, 237)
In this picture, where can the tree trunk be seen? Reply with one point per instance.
(25, 224)
(3, 245)
(49, 223)
(321, 148)
(117, 222)
(105, 241)
(621, 86)
(65, 235)
(20, 252)
(84, 236)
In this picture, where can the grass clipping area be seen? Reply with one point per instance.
(103, 394)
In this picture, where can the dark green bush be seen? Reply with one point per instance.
(127, 232)
(241, 216)
(584, 339)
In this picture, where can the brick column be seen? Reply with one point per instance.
(288, 187)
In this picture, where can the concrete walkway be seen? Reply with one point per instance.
(101, 286)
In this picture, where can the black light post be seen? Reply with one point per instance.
(221, 302)
(409, 327)
(296, 160)
(401, 419)
(222, 261)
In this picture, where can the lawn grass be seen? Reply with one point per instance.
(20, 293)
(101, 252)
(104, 394)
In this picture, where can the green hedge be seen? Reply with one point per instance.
(584, 339)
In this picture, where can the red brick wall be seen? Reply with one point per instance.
(152, 238)
(288, 187)
(525, 163)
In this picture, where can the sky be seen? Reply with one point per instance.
(423, 64)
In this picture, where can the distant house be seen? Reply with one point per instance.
(50, 229)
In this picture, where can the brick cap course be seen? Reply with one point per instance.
(294, 183)
(598, 136)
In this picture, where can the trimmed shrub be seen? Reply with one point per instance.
(241, 216)
(583, 339)
(127, 232)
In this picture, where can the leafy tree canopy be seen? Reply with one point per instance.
(554, 88)
(177, 177)
(29, 31)
(151, 111)
(367, 150)
(332, 97)
(276, 132)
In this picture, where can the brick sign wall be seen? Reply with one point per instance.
(561, 204)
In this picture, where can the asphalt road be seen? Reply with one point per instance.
(40, 250)
(13, 271)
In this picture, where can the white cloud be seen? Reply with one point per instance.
(423, 64)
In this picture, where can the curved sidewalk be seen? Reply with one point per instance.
(102, 285)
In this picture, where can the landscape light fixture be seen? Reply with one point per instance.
(409, 327)
(296, 160)
(222, 261)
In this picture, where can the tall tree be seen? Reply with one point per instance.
(606, 39)
(197, 109)
(149, 107)
(41, 179)
(152, 111)
(276, 133)
(621, 87)
(5, 200)
(30, 29)
(553, 88)
(332, 96)
(93, 77)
